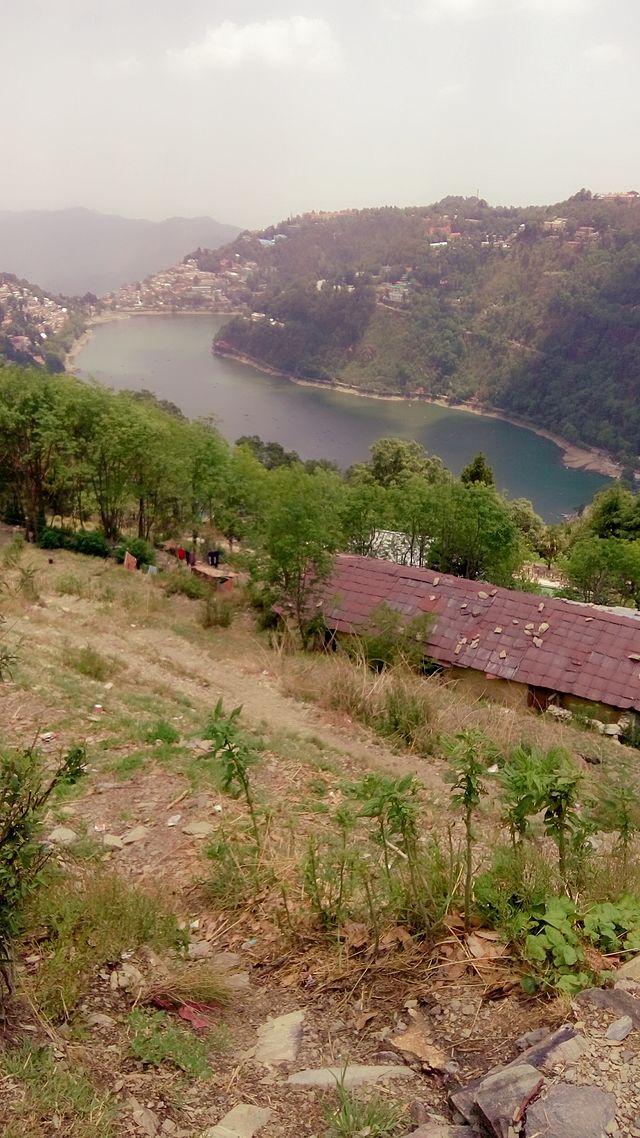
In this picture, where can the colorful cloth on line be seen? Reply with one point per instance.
(130, 562)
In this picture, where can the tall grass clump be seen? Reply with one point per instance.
(83, 920)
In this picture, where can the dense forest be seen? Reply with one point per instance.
(535, 312)
(82, 466)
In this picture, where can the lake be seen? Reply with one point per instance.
(171, 356)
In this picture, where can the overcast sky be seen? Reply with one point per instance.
(252, 110)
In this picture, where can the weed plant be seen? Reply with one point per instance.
(155, 1039)
(354, 1117)
(180, 582)
(217, 610)
(89, 662)
(84, 920)
(50, 1090)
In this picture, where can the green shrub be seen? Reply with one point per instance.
(24, 792)
(217, 610)
(89, 662)
(183, 583)
(92, 543)
(143, 552)
(155, 1039)
(82, 922)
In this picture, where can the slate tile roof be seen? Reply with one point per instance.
(575, 649)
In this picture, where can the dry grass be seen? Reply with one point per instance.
(187, 982)
(336, 682)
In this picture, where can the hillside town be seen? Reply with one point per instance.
(34, 327)
(187, 288)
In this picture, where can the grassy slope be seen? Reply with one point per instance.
(160, 673)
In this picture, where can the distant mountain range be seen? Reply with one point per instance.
(75, 251)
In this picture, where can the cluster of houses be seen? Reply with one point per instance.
(28, 319)
(186, 287)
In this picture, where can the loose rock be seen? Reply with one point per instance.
(279, 1040)
(571, 1112)
(242, 1122)
(352, 1076)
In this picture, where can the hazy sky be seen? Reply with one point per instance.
(251, 110)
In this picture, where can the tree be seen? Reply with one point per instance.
(33, 436)
(529, 523)
(604, 570)
(300, 533)
(478, 470)
(394, 460)
(474, 534)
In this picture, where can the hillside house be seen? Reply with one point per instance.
(519, 648)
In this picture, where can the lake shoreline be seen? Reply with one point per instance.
(573, 457)
(124, 314)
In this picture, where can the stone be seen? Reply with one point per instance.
(199, 949)
(619, 1029)
(531, 1038)
(354, 1075)
(630, 970)
(136, 835)
(112, 841)
(503, 1097)
(242, 1122)
(147, 1121)
(98, 1019)
(238, 981)
(615, 1000)
(198, 829)
(441, 1130)
(127, 977)
(571, 1112)
(557, 1047)
(279, 1040)
(63, 836)
(227, 959)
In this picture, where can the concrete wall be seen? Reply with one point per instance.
(477, 686)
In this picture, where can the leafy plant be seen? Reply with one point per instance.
(618, 812)
(89, 662)
(354, 1117)
(553, 946)
(329, 871)
(75, 765)
(236, 757)
(82, 922)
(24, 792)
(470, 753)
(48, 1090)
(154, 1039)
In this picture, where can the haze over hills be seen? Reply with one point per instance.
(74, 251)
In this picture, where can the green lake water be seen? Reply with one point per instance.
(171, 356)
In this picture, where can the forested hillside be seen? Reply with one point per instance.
(535, 312)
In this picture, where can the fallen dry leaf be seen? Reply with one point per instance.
(414, 1044)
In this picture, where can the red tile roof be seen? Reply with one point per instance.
(575, 649)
